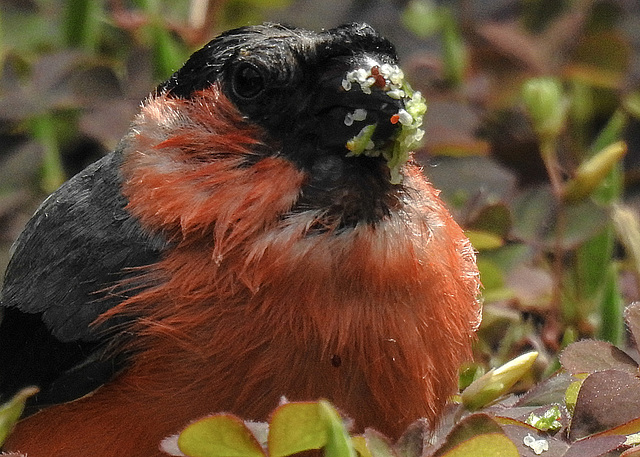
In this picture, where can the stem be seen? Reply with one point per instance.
(549, 157)
(552, 331)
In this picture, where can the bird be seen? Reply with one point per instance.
(262, 232)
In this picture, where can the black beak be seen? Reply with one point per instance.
(340, 114)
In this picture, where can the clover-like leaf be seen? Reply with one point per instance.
(220, 435)
(589, 356)
(632, 318)
(606, 400)
(338, 440)
(296, 427)
(477, 435)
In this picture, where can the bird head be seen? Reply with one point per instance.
(333, 104)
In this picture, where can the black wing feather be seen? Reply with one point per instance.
(78, 244)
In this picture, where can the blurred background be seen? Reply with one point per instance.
(532, 131)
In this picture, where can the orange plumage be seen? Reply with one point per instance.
(255, 300)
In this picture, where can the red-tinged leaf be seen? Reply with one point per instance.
(296, 427)
(414, 439)
(221, 435)
(602, 60)
(632, 318)
(590, 356)
(510, 40)
(547, 392)
(518, 432)
(628, 428)
(533, 215)
(475, 435)
(633, 452)
(606, 400)
(595, 446)
(464, 178)
(532, 286)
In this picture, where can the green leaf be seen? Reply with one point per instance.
(421, 18)
(360, 445)
(338, 440)
(11, 411)
(482, 240)
(550, 419)
(491, 444)
(43, 128)
(168, 53)
(297, 427)
(571, 394)
(612, 132)
(590, 257)
(627, 226)
(493, 281)
(611, 308)
(592, 172)
(632, 104)
(82, 23)
(546, 106)
(454, 52)
(221, 435)
(497, 382)
(378, 444)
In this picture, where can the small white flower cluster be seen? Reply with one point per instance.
(390, 79)
(359, 114)
(538, 446)
(387, 77)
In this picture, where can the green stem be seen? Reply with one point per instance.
(43, 128)
(549, 157)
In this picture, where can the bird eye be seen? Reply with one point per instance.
(248, 81)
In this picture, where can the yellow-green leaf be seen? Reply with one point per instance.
(11, 411)
(571, 395)
(378, 444)
(477, 435)
(221, 435)
(360, 445)
(483, 240)
(491, 444)
(338, 440)
(296, 427)
(497, 382)
(546, 105)
(627, 225)
(592, 172)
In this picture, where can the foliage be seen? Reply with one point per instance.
(529, 133)
(590, 408)
(534, 165)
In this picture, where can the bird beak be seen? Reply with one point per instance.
(354, 98)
